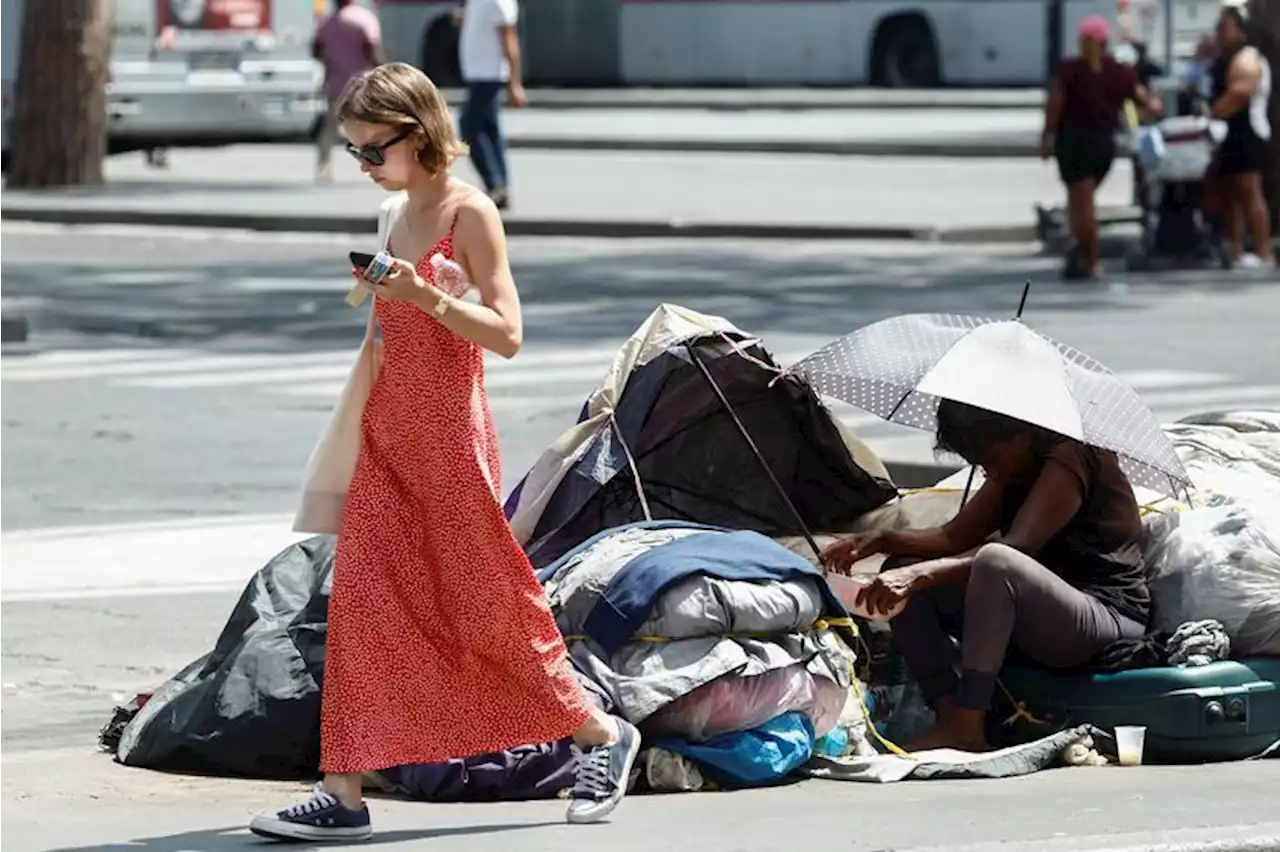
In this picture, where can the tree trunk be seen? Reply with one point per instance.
(58, 135)
(1264, 21)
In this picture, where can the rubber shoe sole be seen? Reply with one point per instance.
(278, 829)
(602, 809)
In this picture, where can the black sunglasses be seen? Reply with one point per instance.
(376, 155)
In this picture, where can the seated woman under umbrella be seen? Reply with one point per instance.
(1044, 559)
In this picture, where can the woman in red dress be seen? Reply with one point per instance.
(441, 643)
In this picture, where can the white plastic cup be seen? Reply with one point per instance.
(1129, 742)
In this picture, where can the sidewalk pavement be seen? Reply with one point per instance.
(594, 194)
(872, 132)
(782, 98)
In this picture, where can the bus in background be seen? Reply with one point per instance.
(892, 43)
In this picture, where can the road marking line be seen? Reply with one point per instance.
(500, 377)
(112, 364)
(68, 357)
(147, 558)
(1238, 397)
(177, 364)
(322, 374)
(1155, 379)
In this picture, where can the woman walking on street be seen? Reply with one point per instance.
(440, 641)
(1241, 81)
(1080, 122)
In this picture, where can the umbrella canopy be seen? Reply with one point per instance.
(900, 368)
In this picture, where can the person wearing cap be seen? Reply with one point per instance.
(1080, 122)
(1241, 84)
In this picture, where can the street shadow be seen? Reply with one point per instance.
(143, 188)
(222, 839)
(594, 297)
(568, 299)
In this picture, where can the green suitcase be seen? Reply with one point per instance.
(1227, 710)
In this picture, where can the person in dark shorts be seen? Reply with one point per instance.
(1063, 579)
(1241, 88)
(1080, 122)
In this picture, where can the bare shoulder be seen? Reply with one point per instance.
(477, 214)
(1247, 60)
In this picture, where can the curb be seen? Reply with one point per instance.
(1261, 837)
(517, 226)
(908, 148)
(1263, 843)
(763, 98)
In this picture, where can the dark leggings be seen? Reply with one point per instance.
(1009, 598)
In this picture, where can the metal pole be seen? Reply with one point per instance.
(1168, 42)
(742, 430)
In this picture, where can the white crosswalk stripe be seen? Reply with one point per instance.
(539, 382)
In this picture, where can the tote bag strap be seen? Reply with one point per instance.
(388, 215)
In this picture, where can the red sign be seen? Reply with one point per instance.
(214, 14)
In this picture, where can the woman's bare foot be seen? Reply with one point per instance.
(959, 728)
(940, 737)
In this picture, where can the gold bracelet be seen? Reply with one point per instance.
(442, 306)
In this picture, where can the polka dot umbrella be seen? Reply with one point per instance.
(900, 368)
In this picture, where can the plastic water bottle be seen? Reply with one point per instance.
(448, 275)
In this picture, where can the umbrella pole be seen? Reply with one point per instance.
(1026, 289)
(746, 436)
(973, 470)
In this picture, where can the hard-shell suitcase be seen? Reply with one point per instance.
(1226, 710)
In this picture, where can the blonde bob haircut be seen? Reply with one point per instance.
(399, 95)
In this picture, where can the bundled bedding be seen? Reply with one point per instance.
(693, 631)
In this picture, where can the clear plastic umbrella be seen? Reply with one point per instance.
(900, 368)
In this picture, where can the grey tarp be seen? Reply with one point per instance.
(1009, 762)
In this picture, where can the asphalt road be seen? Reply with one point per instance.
(186, 373)
(178, 376)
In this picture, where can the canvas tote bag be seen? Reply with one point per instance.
(333, 461)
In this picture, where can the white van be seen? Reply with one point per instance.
(211, 71)
(200, 72)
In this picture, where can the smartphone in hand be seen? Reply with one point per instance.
(371, 268)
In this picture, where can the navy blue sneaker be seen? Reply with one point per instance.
(602, 775)
(321, 817)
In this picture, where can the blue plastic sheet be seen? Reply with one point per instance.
(747, 758)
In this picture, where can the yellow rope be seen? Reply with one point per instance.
(1020, 710)
(819, 625)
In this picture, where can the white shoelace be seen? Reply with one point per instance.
(591, 774)
(319, 801)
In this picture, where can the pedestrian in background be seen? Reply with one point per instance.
(1196, 81)
(1080, 123)
(440, 642)
(489, 54)
(347, 43)
(1241, 90)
